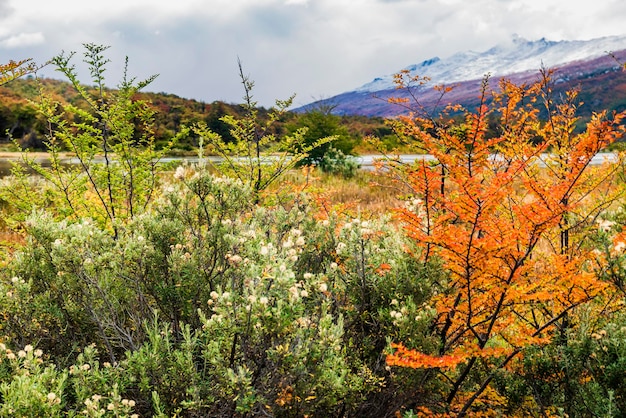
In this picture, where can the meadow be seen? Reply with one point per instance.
(466, 285)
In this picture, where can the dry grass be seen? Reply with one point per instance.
(367, 193)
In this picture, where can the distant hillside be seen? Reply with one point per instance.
(19, 118)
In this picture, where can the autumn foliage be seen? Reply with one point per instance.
(136, 289)
(505, 215)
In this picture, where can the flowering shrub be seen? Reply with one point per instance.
(27, 387)
(206, 304)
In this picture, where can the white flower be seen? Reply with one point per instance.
(263, 300)
(51, 396)
(619, 246)
(21, 354)
(300, 242)
(214, 295)
(323, 287)
(288, 244)
(180, 172)
(28, 348)
(304, 293)
(293, 291)
(264, 250)
(605, 225)
(333, 266)
(395, 314)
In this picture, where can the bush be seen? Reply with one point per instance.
(336, 162)
(207, 305)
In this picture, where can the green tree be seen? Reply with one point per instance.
(111, 134)
(321, 123)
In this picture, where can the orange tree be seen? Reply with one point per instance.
(16, 69)
(506, 215)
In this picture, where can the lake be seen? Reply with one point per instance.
(366, 161)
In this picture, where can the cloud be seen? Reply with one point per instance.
(5, 9)
(311, 47)
(22, 40)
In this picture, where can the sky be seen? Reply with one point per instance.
(312, 48)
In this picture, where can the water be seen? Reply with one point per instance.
(366, 161)
(6, 164)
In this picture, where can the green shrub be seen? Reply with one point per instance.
(208, 305)
(336, 162)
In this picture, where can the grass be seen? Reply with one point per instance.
(367, 193)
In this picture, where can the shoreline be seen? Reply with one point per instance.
(14, 155)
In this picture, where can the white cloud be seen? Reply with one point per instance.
(22, 40)
(311, 47)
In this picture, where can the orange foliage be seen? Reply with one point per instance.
(16, 69)
(502, 214)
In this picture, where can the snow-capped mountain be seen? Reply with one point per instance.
(517, 58)
(517, 55)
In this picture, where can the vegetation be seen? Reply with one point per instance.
(486, 282)
(19, 117)
(512, 234)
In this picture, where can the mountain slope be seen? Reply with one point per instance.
(578, 64)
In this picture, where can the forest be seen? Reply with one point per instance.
(488, 281)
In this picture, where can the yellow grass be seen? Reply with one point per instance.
(367, 193)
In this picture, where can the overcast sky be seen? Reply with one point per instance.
(314, 48)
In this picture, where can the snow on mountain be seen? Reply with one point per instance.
(515, 56)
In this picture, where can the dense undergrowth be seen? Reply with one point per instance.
(496, 288)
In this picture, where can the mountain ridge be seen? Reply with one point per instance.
(518, 59)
